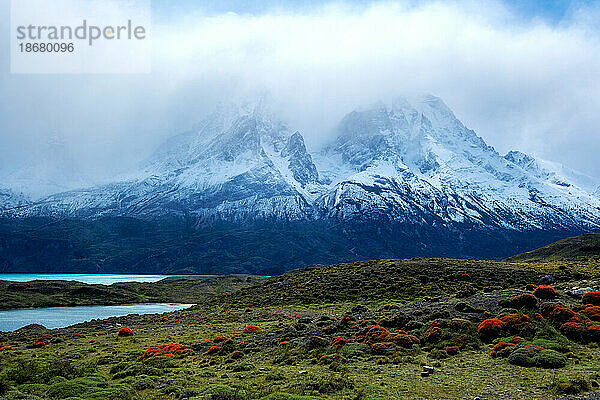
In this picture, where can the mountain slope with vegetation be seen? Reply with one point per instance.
(573, 248)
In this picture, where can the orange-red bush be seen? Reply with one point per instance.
(177, 350)
(561, 314)
(251, 328)
(452, 350)
(383, 348)
(490, 328)
(339, 342)
(592, 312)
(545, 292)
(501, 346)
(514, 322)
(592, 298)
(213, 350)
(404, 340)
(593, 333)
(377, 333)
(433, 334)
(572, 330)
(125, 332)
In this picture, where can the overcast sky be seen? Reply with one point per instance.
(523, 74)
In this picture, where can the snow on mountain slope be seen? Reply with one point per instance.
(235, 165)
(420, 163)
(409, 162)
(10, 200)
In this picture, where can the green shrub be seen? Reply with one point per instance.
(92, 388)
(354, 350)
(134, 369)
(220, 392)
(37, 389)
(274, 376)
(26, 371)
(287, 396)
(573, 385)
(550, 359)
(560, 346)
(523, 357)
(3, 387)
(323, 384)
(240, 367)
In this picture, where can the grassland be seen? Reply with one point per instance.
(350, 331)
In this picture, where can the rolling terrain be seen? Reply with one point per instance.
(382, 329)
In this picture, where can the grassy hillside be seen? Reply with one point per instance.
(573, 248)
(170, 290)
(420, 329)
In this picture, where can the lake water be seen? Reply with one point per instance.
(60, 317)
(103, 279)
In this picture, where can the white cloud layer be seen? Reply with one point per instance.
(520, 83)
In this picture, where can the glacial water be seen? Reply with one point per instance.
(60, 317)
(103, 279)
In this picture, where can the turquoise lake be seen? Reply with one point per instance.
(103, 279)
(60, 317)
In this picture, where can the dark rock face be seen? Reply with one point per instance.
(301, 163)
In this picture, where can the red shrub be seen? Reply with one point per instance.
(514, 322)
(377, 334)
(339, 342)
(433, 334)
(383, 348)
(593, 333)
(561, 314)
(517, 339)
(592, 312)
(37, 345)
(502, 349)
(178, 350)
(48, 336)
(490, 328)
(219, 339)
(125, 332)
(213, 350)
(92, 340)
(572, 330)
(251, 328)
(545, 292)
(592, 298)
(346, 319)
(452, 350)
(501, 346)
(533, 346)
(406, 341)
(5, 348)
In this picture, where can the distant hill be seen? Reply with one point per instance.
(583, 246)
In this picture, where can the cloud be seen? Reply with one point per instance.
(521, 83)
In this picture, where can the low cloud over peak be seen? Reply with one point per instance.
(521, 83)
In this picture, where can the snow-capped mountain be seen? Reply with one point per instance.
(240, 192)
(419, 162)
(9, 199)
(405, 162)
